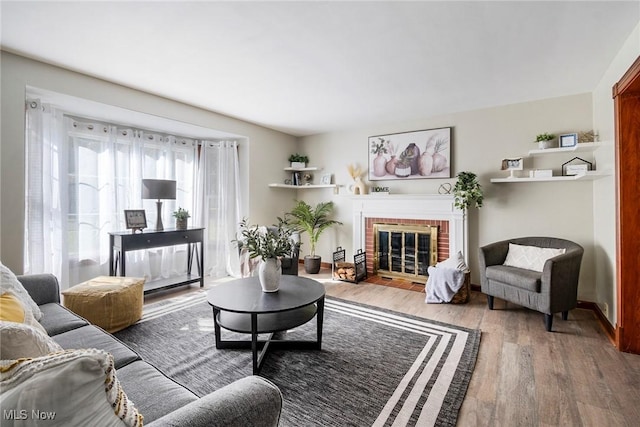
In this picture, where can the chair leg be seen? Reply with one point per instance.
(565, 315)
(548, 321)
(490, 302)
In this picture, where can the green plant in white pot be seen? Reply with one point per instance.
(270, 246)
(546, 140)
(313, 221)
(467, 191)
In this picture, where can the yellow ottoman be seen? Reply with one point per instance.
(111, 302)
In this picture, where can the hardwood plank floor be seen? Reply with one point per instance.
(524, 376)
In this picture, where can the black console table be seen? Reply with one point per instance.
(123, 241)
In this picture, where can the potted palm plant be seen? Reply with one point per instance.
(313, 221)
(270, 246)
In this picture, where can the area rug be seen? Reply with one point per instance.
(376, 367)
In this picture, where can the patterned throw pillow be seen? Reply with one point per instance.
(10, 283)
(530, 257)
(20, 340)
(73, 387)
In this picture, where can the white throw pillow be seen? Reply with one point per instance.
(10, 283)
(20, 340)
(73, 387)
(456, 262)
(530, 257)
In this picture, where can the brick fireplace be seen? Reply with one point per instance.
(412, 210)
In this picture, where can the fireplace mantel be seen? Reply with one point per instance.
(411, 206)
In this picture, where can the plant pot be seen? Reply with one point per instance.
(312, 264)
(269, 273)
(181, 224)
(551, 143)
(298, 165)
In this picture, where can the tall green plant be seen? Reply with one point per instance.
(314, 221)
(467, 191)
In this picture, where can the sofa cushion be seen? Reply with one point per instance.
(513, 276)
(9, 282)
(74, 388)
(93, 337)
(20, 340)
(154, 393)
(530, 257)
(56, 319)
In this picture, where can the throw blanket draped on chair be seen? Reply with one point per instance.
(443, 284)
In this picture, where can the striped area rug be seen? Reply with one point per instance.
(376, 367)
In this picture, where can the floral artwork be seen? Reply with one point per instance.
(410, 155)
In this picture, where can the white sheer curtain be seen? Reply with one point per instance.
(45, 204)
(81, 176)
(219, 212)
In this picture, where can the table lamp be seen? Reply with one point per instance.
(159, 189)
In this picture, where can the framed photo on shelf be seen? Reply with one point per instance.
(511, 165)
(568, 140)
(576, 166)
(419, 154)
(325, 179)
(135, 219)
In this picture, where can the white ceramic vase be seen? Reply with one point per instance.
(269, 273)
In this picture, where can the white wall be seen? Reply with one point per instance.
(266, 152)
(481, 139)
(604, 211)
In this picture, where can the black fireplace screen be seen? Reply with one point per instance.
(405, 251)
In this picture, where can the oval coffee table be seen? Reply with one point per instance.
(241, 306)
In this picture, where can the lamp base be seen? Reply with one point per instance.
(159, 226)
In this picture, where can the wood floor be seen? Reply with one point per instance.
(524, 376)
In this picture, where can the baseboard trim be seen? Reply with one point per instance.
(608, 328)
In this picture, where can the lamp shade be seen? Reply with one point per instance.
(158, 189)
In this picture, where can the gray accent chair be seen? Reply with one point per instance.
(554, 290)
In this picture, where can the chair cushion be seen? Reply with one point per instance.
(56, 319)
(92, 337)
(513, 276)
(154, 393)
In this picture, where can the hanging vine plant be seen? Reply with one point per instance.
(467, 191)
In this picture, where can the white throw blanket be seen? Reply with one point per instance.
(443, 284)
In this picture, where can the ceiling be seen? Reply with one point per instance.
(314, 67)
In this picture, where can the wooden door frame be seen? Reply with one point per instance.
(626, 96)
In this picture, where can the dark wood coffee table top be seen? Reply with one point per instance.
(246, 296)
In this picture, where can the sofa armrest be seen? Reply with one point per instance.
(250, 401)
(43, 288)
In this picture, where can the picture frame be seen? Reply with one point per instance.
(512, 165)
(135, 219)
(325, 179)
(422, 154)
(576, 166)
(568, 140)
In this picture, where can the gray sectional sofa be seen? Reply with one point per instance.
(251, 401)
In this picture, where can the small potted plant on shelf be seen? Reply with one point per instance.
(298, 161)
(181, 216)
(314, 221)
(467, 191)
(545, 140)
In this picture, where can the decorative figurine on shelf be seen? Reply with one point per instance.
(358, 186)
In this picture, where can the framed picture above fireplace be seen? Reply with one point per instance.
(420, 154)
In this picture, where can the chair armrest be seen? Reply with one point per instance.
(560, 279)
(43, 288)
(250, 401)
